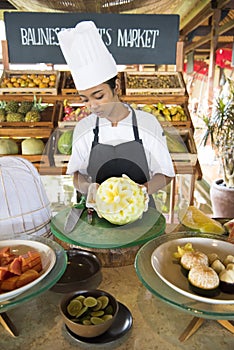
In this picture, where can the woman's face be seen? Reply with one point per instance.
(100, 99)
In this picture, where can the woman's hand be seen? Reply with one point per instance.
(144, 190)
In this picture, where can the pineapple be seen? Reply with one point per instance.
(25, 107)
(14, 117)
(34, 115)
(2, 111)
(12, 106)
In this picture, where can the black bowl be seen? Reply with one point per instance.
(83, 272)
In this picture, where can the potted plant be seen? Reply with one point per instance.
(220, 132)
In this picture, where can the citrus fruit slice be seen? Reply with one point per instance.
(96, 320)
(74, 307)
(90, 302)
(104, 300)
(212, 228)
(195, 219)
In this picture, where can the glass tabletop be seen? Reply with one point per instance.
(46, 283)
(166, 293)
(102, 234)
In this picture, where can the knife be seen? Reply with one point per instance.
(74, 215)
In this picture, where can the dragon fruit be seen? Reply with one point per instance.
(229, 226)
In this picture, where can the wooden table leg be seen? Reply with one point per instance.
(193, 326)
(8, 324)
(227, 324)
(196, 323)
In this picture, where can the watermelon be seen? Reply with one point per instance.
(65, 142)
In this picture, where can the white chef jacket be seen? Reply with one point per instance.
(150, 132)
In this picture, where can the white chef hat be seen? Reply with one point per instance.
(87, 57)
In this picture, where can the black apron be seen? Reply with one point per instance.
(126, 158)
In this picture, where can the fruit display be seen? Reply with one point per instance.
(175, 143)
(32, 146)
(142, 83)
(2, 111)
(25, 111)
(34, 114)
(195, 219)
(8, 146)
(181, 146)
(72, 113)
(152, 82)
(173, 113)
(120, 200)
(17, 79)
(65, 142)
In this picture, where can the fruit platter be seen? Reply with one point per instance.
(203, 281)
(24, 263)
(29, 82)
(218, 307)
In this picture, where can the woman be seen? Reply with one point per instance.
(114, 139)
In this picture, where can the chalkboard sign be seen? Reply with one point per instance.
(132, 39)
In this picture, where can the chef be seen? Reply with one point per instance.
(114, 139)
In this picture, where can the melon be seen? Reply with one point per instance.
(65, 142)
(8, 146)
(32, 146)
(121, 201)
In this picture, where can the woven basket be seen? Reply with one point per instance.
(24, 206)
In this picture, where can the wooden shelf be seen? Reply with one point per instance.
(169, 99)
(51, 170)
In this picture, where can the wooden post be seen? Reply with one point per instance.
(5, 55)
(180, 56)
(213, 47)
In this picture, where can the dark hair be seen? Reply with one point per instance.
(111, 82)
